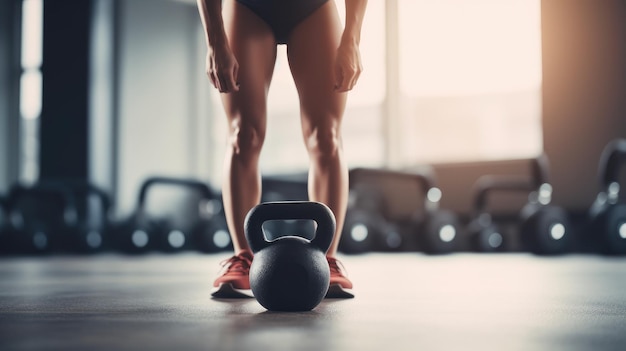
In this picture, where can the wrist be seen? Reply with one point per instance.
(349, 41)
(216, 36)
(350, 37)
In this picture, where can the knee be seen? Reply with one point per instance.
(246, 140)
(323, 142)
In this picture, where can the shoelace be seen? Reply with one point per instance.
(239, 264)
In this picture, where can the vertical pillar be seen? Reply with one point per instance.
(64, 147)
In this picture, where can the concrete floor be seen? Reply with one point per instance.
(404, 302)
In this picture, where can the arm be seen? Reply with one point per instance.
(348, 62)
(221, 64)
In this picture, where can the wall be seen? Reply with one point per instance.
(158, 109)
(584, 63)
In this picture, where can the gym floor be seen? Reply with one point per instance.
(404, 301)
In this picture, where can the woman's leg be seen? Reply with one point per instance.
(253, 44)
(311, 49)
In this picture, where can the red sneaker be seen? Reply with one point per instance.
(234, 281)
(340, 286)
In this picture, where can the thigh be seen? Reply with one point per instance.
(311, 49)
(253, 44)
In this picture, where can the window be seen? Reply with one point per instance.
(30, 88)
(470, 79)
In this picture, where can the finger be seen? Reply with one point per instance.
(210, 74)
(357, 77)
(228, 84)
(233, 78)
(214, 81)
(223, 87)
(341, 84)
(354, 77)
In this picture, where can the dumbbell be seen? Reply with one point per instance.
(435, 229)
(484, 234)
(607, 214)
(544, 229)
(39, 217)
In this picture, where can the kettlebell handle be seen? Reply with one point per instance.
(490, 183)
(284, 210)
(611, 160)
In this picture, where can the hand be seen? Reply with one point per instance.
(348, 66)
(222, 68)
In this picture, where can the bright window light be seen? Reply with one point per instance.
(32, 33)
(31, 84)
(470, 76)
(30, 92)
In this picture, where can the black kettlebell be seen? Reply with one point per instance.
(141, 232)
(290, 273)
(366, 227)
(89, 232)
(40, 216)
(435, 229)
(211, 232)
(544, 228)
(4, 225)
(607, 215)
(484, 234)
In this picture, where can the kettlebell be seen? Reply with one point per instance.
(289, 273)
(362, 227)
(544, 229)
(4, 223)
(88, 233)
(141, 232)
(607, 215)
(40, 215)
(485, 235)
(431, 228)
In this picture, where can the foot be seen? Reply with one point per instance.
(234, 281)
(340, 286)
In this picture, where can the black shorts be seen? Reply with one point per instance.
(282, 15)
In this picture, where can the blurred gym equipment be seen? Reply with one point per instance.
(544, 229)
(435, 230)
(4, 222)
(142, 232)
(484, 233)
(40, 218)
(366, 228)
(89, 232)
(607, 214)
(210, 232)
